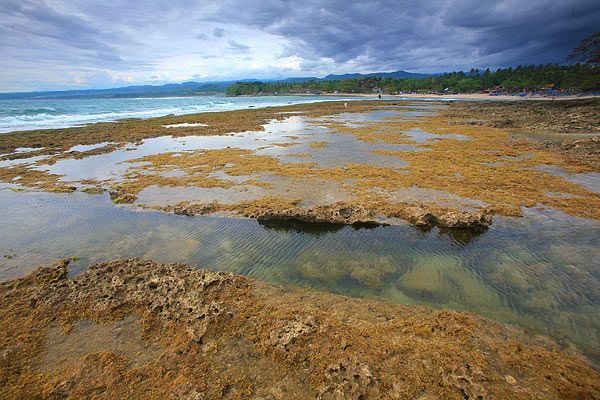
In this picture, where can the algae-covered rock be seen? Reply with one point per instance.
(143, 330)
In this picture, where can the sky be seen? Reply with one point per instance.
(67, 44)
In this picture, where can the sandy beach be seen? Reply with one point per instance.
(464, 96)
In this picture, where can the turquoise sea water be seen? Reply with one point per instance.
(18, 115)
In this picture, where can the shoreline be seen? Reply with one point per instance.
(432, 96)
(464, 96)
(323, 96)
(204, 103)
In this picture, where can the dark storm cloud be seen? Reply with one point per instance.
(335, 29)
(423, 34)
(108, 42)
(527, 32)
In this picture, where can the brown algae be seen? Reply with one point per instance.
(232, 337)
(489, 167)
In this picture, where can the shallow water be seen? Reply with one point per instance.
(360, 119)
(589, 180)
(421, 136)
(541, 271)
(290, 140)
(340, 148)
(88, 147)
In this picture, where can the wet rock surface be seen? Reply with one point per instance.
(585, 150)
(338, 213)
(342, 213)
(220, 335)
(118, 195)
(425, 217)
(564, 116)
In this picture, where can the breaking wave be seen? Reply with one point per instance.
(16, 115)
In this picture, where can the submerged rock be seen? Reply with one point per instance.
(212, 335)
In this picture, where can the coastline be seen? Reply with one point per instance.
(48, 115)
(295, 160)
(463, 96)
(35, 114)
(326, 200)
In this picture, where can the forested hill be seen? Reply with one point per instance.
(579, 77)
(173, 89)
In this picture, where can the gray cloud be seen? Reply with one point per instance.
(233, 45)
(424, 35)
(219, 32)
(31, 23)
(68, 43)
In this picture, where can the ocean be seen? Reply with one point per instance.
(17, 115)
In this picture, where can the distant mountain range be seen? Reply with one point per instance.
(181, 89)
(331, 77)
(171, 89)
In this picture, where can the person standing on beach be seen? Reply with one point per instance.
(379, 96)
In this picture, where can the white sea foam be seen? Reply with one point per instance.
(88, 147)
(184, 125)
(51, 114)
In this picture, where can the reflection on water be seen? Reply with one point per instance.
(589, 180)
(339, 149)
(541, 271)
(332, 149)
(459, 235)
(300, 227)
(88, 147)
(421, 136)
(360, 119)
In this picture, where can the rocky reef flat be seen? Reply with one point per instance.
(139, 329)
(453, 165)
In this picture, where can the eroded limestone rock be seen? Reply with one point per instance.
(213, 335)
